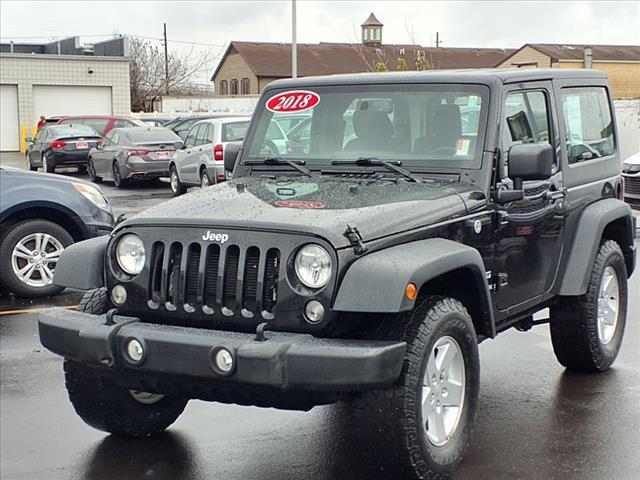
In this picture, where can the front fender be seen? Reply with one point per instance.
(81, 265)
(377, 282)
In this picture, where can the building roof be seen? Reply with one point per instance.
(274, 59)
(372, 21)
(559, 52)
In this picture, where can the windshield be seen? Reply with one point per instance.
(436, 125)
(150, 135)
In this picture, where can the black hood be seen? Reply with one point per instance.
(318, 206)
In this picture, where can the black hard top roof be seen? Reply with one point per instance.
(489, 76)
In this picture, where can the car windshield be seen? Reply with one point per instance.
(436, 125)
(234, 132)
(73, 131)
(151, 135)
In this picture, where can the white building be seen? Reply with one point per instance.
(34, 84)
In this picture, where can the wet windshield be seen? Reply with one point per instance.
(434, 125)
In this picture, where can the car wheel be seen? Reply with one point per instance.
(47, 165)
(117, 176)
(587, 331)
(204, 179)
(91, 171)
(109, 407)
(30, 165)
(29, 254)
(177, 188)
(420, 428)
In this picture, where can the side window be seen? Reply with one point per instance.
(190, 141)
(587, 122)
(201, 134)
(224, 87)
(209, 134)
(122, 124)
(234, 86)
(115, 138)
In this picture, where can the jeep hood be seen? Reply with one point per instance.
(317, 206)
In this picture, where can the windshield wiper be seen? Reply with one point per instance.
(296, 164)
(393, 166)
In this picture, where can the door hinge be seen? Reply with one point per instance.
(355, 239)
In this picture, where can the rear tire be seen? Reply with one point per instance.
(177, 188)
(205, 181)
(106, 406)
(399, 441)
(47, 165)
(585, 333)
(30, 165)
(91, 171)
(118, 181)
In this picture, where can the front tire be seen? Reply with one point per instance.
(587, 331)
(177, 187)
(106, 406)
(29, 254)
(421, 427)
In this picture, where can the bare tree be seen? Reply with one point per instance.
(147, 74)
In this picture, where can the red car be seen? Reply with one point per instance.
(101, 123)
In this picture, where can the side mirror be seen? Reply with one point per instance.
(530, 161)
(28, 140)
(230, 155)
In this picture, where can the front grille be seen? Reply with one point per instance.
(214, 277)
(632, 185)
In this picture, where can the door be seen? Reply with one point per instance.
(529, 232)
(205, 157)
(37, 147)
(9, 123)
(103, 157)
(189, 164)
(57, 100)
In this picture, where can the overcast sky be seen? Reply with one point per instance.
(470, 24)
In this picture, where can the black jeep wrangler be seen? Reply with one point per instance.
(418, 215)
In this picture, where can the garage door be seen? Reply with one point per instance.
(56, 100)
(9, 125)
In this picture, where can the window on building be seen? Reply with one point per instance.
(244, 86)
(234, 86)
(224, 87)
(587, 120)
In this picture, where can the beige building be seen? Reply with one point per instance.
(34, 83)
(246, 67)
(620, 63)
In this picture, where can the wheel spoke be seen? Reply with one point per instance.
(447, 355)
(45, 242)
(53, 256)
(23, 249)
(38, 240)
(26, 272)
(427, 406)
(454, 394)
(436, 426)
(48, 272)
(21, 254)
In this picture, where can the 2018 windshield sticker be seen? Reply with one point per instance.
(293, 101)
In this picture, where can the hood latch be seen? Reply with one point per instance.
(355, 239)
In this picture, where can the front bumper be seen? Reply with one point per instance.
(284, 361)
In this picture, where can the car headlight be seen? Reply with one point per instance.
(313, 266)
(630, 168)
(94, 195)
(130, 254)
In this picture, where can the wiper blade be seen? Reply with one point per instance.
(393, 166)
(296, 164)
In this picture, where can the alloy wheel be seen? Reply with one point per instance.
(608, 305)
(443, 391)
(204, 180)
(34, 259)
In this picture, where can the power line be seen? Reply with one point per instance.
(116, 35)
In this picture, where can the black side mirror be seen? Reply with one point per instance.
(230, 155)
(530, 161)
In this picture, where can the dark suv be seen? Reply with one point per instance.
(367, 265)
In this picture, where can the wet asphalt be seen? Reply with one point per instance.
(535, 420)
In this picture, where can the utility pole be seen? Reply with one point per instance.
(294, 45)
(437, 39)
(166, 61)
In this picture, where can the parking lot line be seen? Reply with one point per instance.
(32, 310)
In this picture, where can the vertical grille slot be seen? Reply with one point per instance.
(211, 275)
(250, 282)
(155, 272)
(230, 276)
(173, 273)
(270, 291)
(191, 285)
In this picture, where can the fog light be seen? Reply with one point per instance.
(223, 361)
(118, 295)
(314, 312)
(135, 351)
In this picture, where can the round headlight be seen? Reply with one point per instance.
(130, 254)
(313, 266)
